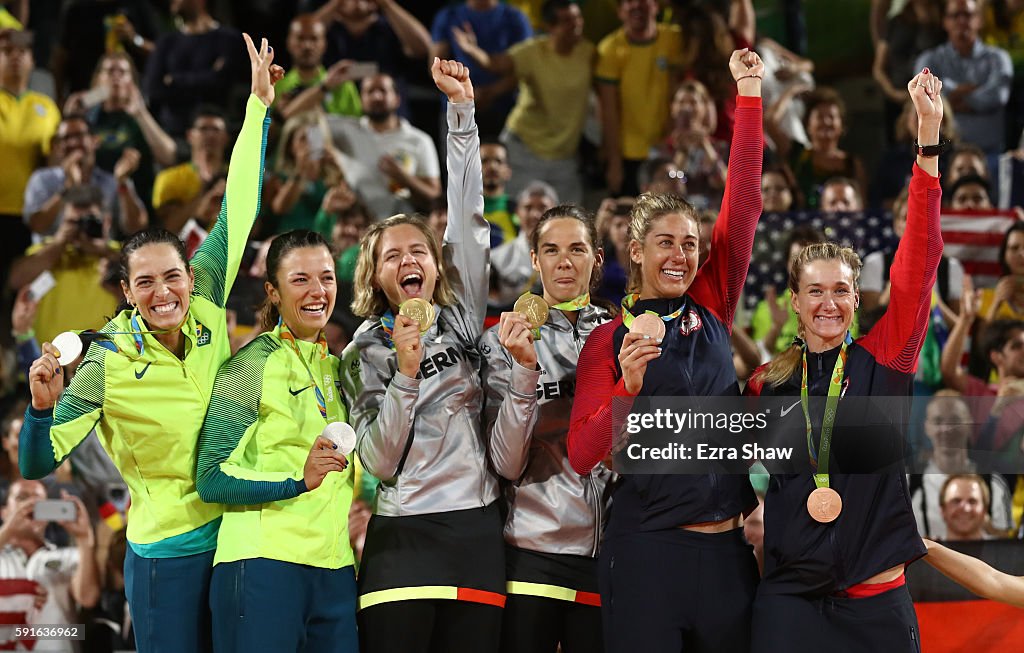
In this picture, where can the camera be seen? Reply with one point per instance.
(91, 225)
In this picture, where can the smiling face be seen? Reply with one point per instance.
(947, 423)
(963, 509)
(1014, 256)
(160, 285)
(825, 124)
(775, 193)
(667, 256)
(825, 302)
(305, 290)
(405, 266)
(565, 258)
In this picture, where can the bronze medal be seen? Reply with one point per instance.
(534, 308)
(419, 310)
(648, 325)
(824, 505)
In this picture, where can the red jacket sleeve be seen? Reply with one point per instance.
(720, 281)
(590, 427)
(896, 340)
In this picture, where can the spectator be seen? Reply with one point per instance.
(44, 195)
(122, 121)
(613, 230)
(177, 190)
(82, 260)
(709, 40)
(773, 324)
(306, 165)
(970, 193)
(966, 160)
(637, 67)
(1006, 300)
(498, 210)
(964, 501)
(437, 220)
(692, 148)
(512, 271)
(29, 122)
(975, 77)
(778, 190)
(840, 195)
(88, 29)
(949, 426)
(68, 574)
(308, 84)
(498, 27)
(918, 27)
(395, 164)
(345, 234)
(197, 64)
(1003, 28)
(1002, 346)
(373, 30)
(891, 176)
(661, 175)
(543, 131)
(825, 122)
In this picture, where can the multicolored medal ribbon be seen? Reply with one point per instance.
(321, 343)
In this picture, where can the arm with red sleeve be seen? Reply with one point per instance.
(896, 340)
(720, 280)
(590, 427)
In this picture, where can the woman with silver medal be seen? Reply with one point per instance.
(837, 537)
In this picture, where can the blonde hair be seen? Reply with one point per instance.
(648, 208)
(778, 371)
(369, 299)
(284, 161)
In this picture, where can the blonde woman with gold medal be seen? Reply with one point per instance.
(837, 538)
(555, 516)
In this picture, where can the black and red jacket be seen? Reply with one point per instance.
(876, 530)
(696, 360)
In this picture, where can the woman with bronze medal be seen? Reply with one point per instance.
(674, 572)
(555, 515)
(837, 538)
(274, 448)
(432, 575)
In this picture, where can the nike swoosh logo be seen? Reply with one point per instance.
(295, 393)
(785, 411)
(139, 375)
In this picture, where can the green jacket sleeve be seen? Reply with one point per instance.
(234, 411)
(216, 263)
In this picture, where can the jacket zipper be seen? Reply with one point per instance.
(597, 515)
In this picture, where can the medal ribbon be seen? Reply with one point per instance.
(819, 459)
(137, 330)
(387, 322)
(321, 343)
(575, 303)
(629, 300)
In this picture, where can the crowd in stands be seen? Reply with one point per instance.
(116, 115)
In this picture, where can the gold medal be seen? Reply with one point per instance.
(419, 310)
(534, 308)
(648, 325)
(824, 505)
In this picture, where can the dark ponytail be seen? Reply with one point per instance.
(267, 312)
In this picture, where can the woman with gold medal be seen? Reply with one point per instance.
(837, 537)
(432, 573)
(555, 516)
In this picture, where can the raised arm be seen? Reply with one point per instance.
(467, 236)
(216, 263)
(953, 374)
(897, 338)
(976, 576)
(720, 281)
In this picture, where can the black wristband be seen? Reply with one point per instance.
(929, 151)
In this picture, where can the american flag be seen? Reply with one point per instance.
(973, 237)
(865, 233)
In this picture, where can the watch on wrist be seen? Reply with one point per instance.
(931, 150)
